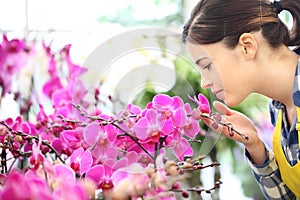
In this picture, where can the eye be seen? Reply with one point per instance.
(207, 66)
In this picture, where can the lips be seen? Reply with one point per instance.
(216, 92)
(219, 94)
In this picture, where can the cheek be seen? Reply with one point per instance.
(220, 76)
(227, 74)
(217, 79)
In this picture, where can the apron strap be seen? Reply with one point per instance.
(298, 124)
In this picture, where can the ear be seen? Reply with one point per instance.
(248, 45)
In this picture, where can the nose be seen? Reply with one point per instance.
(205, 83)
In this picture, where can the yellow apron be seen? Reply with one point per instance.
(289, 174)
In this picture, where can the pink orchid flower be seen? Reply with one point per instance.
(64, 173)
(202, 102)
(52, 85)
(100, 139)
(29, 187)
(191, 128)
(14, 55)
(73, 138)
(130, 181)
(170, 108)
(150, 128)
(102, 175)
(131, 109)
(36, 158)
(180, 145)
(69, 187)
(74, 70)
(81, 160)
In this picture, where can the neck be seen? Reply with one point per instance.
(280, 72)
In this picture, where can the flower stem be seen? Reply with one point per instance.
(114, 123)
(29, 137)
(3, 162)
(228, 125)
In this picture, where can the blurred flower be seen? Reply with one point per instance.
(19, 187)
(14, 55)
(131, 182)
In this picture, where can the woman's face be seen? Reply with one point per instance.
(221, 71)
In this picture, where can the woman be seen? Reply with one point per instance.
(242, 47)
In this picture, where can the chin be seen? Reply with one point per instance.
(231, 102)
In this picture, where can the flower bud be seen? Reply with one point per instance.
(19, 138)
(185, 194)
(171, 168)
(176, 186)
(196, 114)
(2, 130)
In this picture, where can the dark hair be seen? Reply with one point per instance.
(215, 20)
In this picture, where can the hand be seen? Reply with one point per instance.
(238, 121)
(243, 125)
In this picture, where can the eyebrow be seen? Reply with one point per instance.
(199, 60)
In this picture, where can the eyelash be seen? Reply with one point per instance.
(207, 66)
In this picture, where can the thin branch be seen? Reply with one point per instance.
(113, 122)
(196, 141)
(12, 164)
(192, 165)
(228, 125)
(29, 137)
(3, 162)
(199, 189)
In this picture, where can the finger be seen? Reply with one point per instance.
(222, 108)
(225, 130)
(206, 121)
(198, 115)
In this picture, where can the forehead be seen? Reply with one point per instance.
(196, 51)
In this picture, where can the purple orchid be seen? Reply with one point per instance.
(52, 85)
(130, 110)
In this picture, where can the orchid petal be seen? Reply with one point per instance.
(96, 173)
(92, 133)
